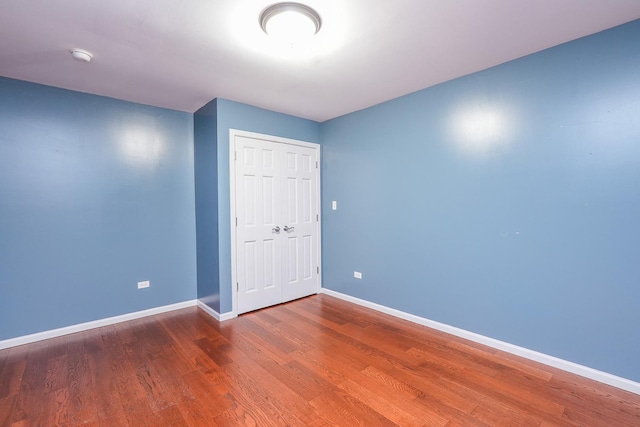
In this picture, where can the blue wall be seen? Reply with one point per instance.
(506, 202)
(206, 182)
(234, 115)
(95, 195)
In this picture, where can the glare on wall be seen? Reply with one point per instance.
(480, 129)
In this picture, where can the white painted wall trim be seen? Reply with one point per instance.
(53, 333)
(574, 368)
(219, 317)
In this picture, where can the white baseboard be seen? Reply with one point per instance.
(574, 368)
(53, 333)
(211, 312)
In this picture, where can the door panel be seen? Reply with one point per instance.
(302, 207)
(258, 248)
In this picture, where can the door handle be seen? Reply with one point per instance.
(288, 229)
(275, 229)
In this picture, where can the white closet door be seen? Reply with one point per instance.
(300, 225)
(276, 206)
(258, 239)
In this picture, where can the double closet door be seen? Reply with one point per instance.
(277, 243)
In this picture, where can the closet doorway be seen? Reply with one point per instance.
(275, 213)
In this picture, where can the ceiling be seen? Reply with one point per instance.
(180, 54)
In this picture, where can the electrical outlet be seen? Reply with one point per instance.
(334, 205)
(144, 284)
(357, 275)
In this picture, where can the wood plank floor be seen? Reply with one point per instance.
(313, 362)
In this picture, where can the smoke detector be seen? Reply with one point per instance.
(81, 55)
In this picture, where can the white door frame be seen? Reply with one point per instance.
(232, 184)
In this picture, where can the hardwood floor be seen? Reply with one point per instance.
(313, 362)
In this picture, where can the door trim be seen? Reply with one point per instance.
(232, 194)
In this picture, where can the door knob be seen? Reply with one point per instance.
(275, 229)
(288, 229)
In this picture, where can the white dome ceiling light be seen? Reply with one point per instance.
(290, 21)
(81, 55)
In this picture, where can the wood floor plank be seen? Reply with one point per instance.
(343, 409)
(381, 405)
(11, 376)
(281, 342)
(57, 404)
(28, 407)
(587, 399)
(410, 404)
(498, 414)
(206, 402)
(493, 406)
(82, 409)
(312, 362)
(251, 401)
(104, 384)
(427, 395)
(57, 374)
(506, 361)
(508, 391)
(252, 371)
(283, 330)
(6, 409)
(424, 388)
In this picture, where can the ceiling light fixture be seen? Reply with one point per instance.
(81, 55)
(290, 21)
